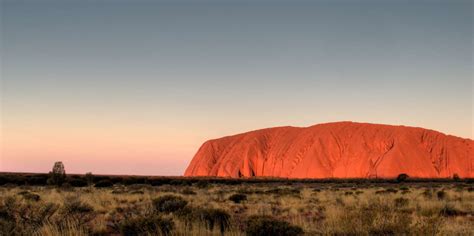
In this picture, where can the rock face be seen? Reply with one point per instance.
(336, 150)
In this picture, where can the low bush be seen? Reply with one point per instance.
(76, 210)
(150, 225)
(202, 184)
(456, 177)
(215, 217)
(283, 191)
(8, 227)
(13, 180)
(169, 203)
(381, 192)
(238, 197)
(391, 190)
(77, 182)
(179, 182)
(188, 191)
(441, 195)
(428, 193)
(402, 178)
(401, 202)
(137, 192)
(105, 183)
(135, 180)
(159, 181)
(451, 211)
(29, 196)
(265, 225)
(376, 217)
(23, 217)
(209, 217)
(404, 188)
(406, 191)
(37, 180)
(187, 215)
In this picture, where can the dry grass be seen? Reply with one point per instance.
(318, 209)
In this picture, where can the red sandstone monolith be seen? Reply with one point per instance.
(336, 150)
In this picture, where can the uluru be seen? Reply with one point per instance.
(336, 150)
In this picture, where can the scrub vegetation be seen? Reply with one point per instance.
(118, 205)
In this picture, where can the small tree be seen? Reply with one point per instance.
(89, 178)
(58, 175)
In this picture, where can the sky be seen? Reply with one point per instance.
(135, 87)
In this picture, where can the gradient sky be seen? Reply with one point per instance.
(135, 87)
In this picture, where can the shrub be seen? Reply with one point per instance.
(169, 203)
(23, 217)
(119, 191)
(202, 184)
(391, 190)
(187, 215)
(179, 182)
(14, 179)
(456, 177)
(152, 225)
(77, 182)
(401, 202)
(265, 225)
(135, 180)
(7, 208)
(8, 227)
(375, 217)
(209, 217)
(441, 195)
(137, 192)
(38, 180)
(428, 226)
(406, 191)
(29, 196)
(74, 209)
(404, 188)
(67, 187)
(188, 191)
(215, 217)
(89, 178)
(104, 184)
(238, 197)
(381, 192)
(428, 193)
(283, 191)
(159, 181)
(450, 211)
(402, 178)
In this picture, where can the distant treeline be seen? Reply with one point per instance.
(75, 180)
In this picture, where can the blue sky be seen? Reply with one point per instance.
(164, 76)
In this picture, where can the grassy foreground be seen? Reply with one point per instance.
(240, 209)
